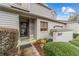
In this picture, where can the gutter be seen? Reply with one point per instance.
(25, 12)
(10, 8)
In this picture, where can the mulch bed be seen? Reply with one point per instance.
(39, 49)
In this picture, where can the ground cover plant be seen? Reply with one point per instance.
(61, 49)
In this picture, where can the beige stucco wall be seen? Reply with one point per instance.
(73, 26)
(45, 34)
(65, 36)
(40, 10)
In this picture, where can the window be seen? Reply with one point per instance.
(59, 34)
(43, 26)
(58, 27)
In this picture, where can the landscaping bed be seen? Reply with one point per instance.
(60, 49)
(39, 49)
(39, 44)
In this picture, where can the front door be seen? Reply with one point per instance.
(24, 27)
(27, 29)
(24, 30)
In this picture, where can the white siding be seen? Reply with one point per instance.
(43, 34)
(9, 20)
(74, 27)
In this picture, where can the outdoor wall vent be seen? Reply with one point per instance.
(59, 34)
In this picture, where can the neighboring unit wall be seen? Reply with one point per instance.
(40, 10)
(24, 6)
(34, 8)
(5, 4)
(45, 34)
(59, 25)
(73, 26)
(63, 36)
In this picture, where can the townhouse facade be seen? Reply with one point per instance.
(32, 20)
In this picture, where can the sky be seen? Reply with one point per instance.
(63, 10)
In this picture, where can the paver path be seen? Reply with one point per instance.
(30, 51)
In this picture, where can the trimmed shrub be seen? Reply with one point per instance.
(45, 39)
(75, 35)
(77, 38)
(60, 49)
(42, 41)
(75, 42)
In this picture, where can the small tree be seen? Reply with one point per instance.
(73, 17)
(51, 32)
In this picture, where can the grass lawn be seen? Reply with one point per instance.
(61, 49)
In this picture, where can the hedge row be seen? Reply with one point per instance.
(77, 38)
(60, 49)
(75, 43)
(75, 35)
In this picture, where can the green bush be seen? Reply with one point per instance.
(42, 41)
(60, 49)
(77, 38)
(46, 39)
(75, 35)
(75, 42)
(51, 32)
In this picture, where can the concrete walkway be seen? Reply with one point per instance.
(31, 51)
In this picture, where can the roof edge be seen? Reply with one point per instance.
(25, 12)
